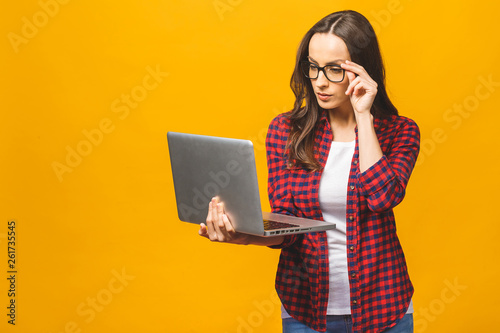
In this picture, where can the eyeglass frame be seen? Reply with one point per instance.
(321, 69)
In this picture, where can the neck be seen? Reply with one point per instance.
(342, 118)
(342, 123)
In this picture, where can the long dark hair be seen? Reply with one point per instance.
(361, 41)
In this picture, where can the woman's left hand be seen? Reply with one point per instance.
(362, 89)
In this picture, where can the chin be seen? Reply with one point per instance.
(328, 105)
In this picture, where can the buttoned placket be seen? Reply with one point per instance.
(352, 216)
(322, 236)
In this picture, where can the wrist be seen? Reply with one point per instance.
(365, 116)
(364, 120)
(263, 241)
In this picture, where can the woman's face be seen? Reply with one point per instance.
(328, 49)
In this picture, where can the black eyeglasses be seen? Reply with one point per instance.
(333, 73)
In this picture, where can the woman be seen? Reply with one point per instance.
(345, 156)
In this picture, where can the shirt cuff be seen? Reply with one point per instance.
(375, 177)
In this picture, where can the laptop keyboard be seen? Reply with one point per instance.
(271, 225)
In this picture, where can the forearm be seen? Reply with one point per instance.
(264, 241)
(383, 179)
(369, 147)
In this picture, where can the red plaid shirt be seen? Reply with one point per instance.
(380, 287)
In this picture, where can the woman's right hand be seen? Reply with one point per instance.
(218, 228)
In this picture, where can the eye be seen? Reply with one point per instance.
(334, 69)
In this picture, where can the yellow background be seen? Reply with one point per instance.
(228, 64)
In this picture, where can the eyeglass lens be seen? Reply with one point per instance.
(333, 73)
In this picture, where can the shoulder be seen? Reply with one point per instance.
(279, 128)
(280, 122)
(396, 124)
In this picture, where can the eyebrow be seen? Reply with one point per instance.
(334, 62)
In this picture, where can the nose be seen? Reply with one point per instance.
(321, 81)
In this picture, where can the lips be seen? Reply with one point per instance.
(323, 97)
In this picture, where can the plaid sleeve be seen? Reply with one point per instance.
(278, 186)
(384, 183)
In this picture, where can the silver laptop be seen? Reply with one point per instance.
(208, 166)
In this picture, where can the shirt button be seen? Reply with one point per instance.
(353, 275)
(351, 218)
(354, 302)
(351, 248)
(352, 187)
(355, 161)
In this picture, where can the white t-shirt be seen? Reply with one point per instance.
(333, 200)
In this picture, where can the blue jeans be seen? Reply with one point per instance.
(343, 324)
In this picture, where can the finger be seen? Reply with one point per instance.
(225, 225)
(359, 90)
(203, 230)
(216, 217)
(220, 212)
(353, 80)
(360, 85)
(356, 85)
(228, 226)
(354, 67)
(220, 226)
(365, 87)
(210, 224)
(359, 70)
(350, 76)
